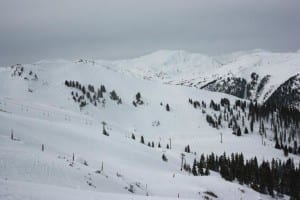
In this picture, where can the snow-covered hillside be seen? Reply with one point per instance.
(37, 110)
(258, 73)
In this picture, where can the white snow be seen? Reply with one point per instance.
(191, 69)
(49, 116)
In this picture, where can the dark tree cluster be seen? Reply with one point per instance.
(214, 106)
(115, 97)
(282, 122)
(138, 100)
(196, 104)
(187, 149)
(213, 122)
(87, 94)
(267, 177)
(230, 85)
(250, 86)
(199, 168)
(149, 144)
(287, 94)
(225, 102)
(262, 83)
(18, 70)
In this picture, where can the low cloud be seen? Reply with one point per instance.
(32, 30)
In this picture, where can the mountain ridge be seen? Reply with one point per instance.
(205, 72)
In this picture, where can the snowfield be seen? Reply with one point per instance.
(197, 70)
(42, 112)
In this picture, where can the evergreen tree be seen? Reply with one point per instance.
(142, 140)
(168, 107)
(277, 145)
(164, 158)
(194, 168)
(133, 102)
(251, 124)
(104, 132)
(113, 95)
(285, 151)
(239, 133)
(206, 173)
(102, 88)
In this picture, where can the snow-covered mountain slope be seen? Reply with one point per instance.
(256, 74)
(165, 65)
(37, 109)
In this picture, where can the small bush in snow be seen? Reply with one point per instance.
(164, 158)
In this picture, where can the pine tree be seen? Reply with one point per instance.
(113, 95)
(251, 124)
(206, 173)
(119, 101)
(239, 133)
(285, 151)
(102, 88)
(187, 149)
(168, 107)
(164, 158)
(133, 102)
(194, 168)
(104, 132)
(142, 140)
(138, 97)
(277, 145)
(133, 136)
(12, 135)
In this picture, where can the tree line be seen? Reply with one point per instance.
(280, 177)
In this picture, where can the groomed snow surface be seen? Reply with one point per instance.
(48, 115)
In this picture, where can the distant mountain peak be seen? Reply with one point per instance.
(181, 67)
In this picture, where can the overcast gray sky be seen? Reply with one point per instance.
(32, 30)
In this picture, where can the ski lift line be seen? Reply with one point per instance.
(28, 106)
(32, 108)
(48, 113)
